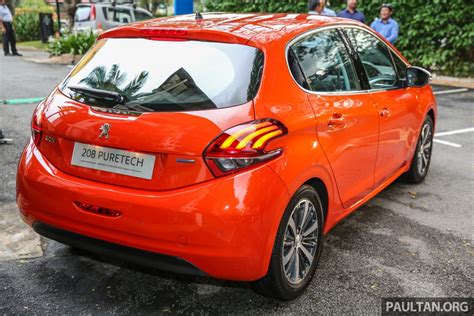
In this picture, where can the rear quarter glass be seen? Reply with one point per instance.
(163, 76)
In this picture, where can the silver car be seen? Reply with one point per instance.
(104, 16)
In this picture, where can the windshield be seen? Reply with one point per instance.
(155, 76)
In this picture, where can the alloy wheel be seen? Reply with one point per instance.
(301, 241)
(424, 151)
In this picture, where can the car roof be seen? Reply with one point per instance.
(244, 28)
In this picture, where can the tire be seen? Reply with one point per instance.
(421, 160)
(285, 281)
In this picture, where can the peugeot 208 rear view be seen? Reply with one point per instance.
(224, 145)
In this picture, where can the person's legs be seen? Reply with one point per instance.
(11, 37)
(6, 49)
(13, 42)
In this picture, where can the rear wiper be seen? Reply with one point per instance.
(99, 94)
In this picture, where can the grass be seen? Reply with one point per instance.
(33, 44)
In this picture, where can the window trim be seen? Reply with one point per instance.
(341, 27)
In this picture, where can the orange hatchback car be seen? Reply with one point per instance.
(224, 145)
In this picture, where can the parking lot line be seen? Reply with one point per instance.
(451, 91)
(22, 101)
(439, 141)
(458, 131)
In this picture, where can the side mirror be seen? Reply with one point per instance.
(417, 77)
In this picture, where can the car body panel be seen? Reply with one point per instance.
(155, 133)
(227, 237)
(399, 123)
(226, 226)
(348, 130)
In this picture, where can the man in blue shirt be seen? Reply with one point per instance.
(319, 7)
(386, 26)
(351, 12)
(6, 28)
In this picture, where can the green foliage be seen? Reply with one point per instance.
(436, 34)
(75, 44)
(38, 5)
(27, 26)
(26, 20)
(257, 5)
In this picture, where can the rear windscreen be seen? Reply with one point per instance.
(156, 76)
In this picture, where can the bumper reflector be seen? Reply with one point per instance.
(98, 210)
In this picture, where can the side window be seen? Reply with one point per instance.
(141, 16)
(376, 59)
(325, 62)
(118, 15)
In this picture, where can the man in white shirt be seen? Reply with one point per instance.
(318, 7)
(6, 26)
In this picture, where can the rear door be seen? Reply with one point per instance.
(396, 103)
(347, 118)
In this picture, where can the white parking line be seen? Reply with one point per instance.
(451, 91)
(458, 131)
(439, 141)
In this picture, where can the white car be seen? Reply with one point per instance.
(104, 16)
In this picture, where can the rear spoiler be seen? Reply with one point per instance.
(167, 33)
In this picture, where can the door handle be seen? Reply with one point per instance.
(337, 121)
(385, 112)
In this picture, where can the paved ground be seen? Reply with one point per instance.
(408, 241)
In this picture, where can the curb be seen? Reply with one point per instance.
(453, 81)
(64, 59)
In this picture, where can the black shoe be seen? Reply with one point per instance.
(17, 54)
(8, 54)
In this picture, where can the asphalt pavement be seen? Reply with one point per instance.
(410, 240)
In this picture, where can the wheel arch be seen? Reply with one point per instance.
(431, 114)
(322, 190)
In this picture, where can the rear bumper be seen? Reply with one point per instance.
(137, 256)
(224, 228)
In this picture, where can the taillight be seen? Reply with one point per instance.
(243, 146)
(36, 130)
(166, 35)
(92, 15)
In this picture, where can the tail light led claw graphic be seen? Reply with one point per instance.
(243, 146)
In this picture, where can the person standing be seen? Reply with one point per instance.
(6, 22)
(385, 25)
(319, 7)
(351, 12)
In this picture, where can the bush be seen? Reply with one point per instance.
(75, 44)
(27, 25)
(257, 5)
(437, 34)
